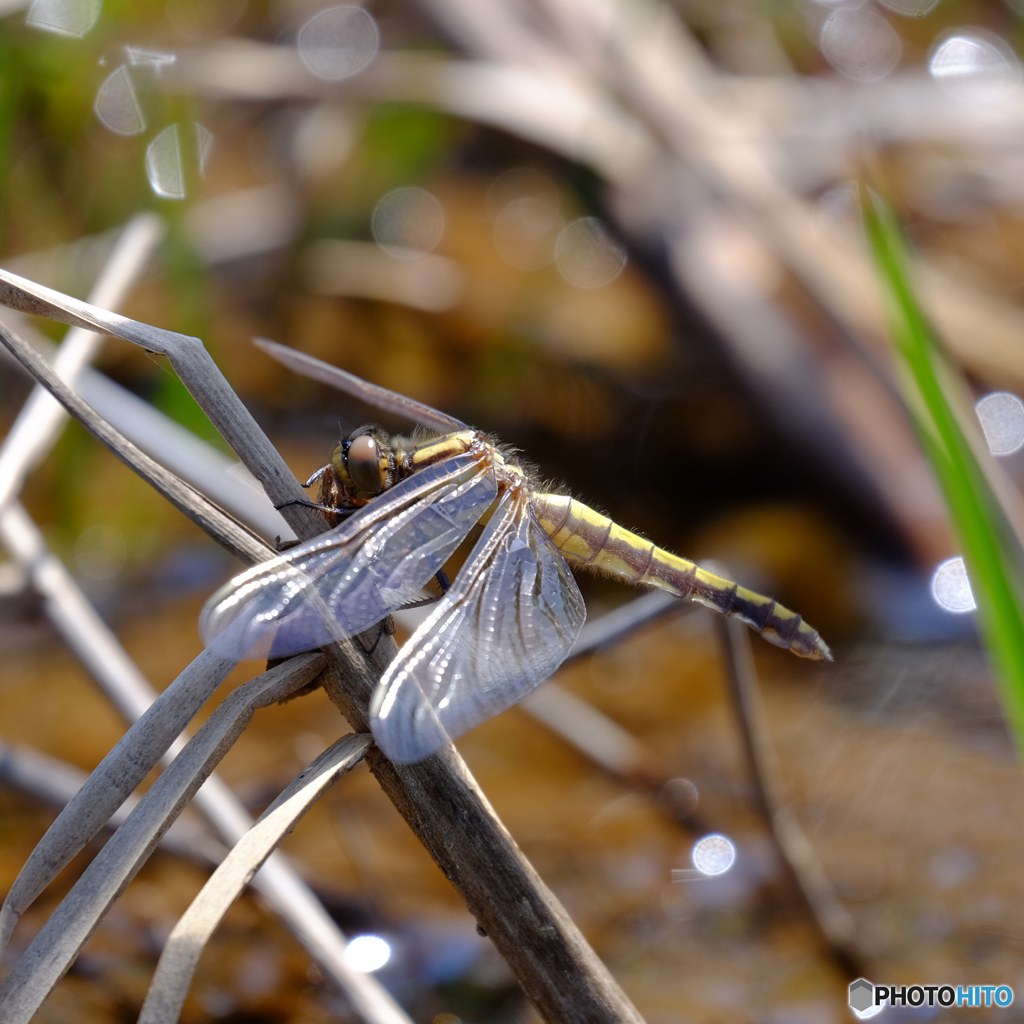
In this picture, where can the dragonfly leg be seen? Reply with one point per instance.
(418, 604)
(316, 476)
(442, 581)
(387, 627)
(317, 505)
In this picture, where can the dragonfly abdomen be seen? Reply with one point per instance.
(586, 537)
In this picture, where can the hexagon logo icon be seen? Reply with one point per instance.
(862, 999)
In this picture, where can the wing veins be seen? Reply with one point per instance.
(337, 585)
(472, 657)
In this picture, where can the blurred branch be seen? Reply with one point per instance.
(363, 270)
(629, 93)
(226, 531)
(223, 479)
(641, 58)
(41, 418)
(616, 625)
(118, 775)
(593, 733)
(669, 193)
(198, 372)
(55, 783)
(831, 919)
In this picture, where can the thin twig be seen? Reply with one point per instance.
(197, 371)
(373, 394)
(831, 919)
(599, 737)
(616, 625)
(612, 748)
(221, 478)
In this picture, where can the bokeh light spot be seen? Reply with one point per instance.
(860, 44)
(204, 146)
(975, 66)
(1002, 420)
(339, 42)
(587, 256)
(71, 18)
(408, 222)
(951, 588)
(117, 105)
(714, 855)
(163, 164)
(366, 953)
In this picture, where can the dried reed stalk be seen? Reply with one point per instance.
(438, 797)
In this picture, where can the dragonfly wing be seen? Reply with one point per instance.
(509, 620)
(344, 581)
(372, 394)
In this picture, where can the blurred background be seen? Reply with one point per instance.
(625, 238)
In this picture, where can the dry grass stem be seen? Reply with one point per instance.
(58, 942)
(54, 782)
(185, 944)
(226, 531)
(114, 780)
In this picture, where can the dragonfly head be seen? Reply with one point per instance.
(365, 464)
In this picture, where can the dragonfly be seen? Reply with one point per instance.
(402, 506)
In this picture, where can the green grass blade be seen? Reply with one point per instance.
(972, 506)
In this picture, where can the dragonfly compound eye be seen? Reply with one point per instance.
(363, 465)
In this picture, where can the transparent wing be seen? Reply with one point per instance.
(373, 394)
(508, 621)
(344, 581)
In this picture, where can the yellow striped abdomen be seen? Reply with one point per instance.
(590, 539)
